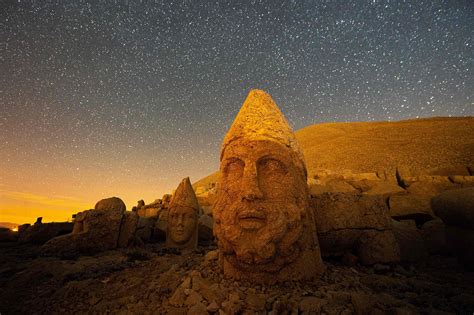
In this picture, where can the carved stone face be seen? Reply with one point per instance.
(182, 223)
(260, 206)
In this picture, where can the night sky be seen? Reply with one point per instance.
(125, 98)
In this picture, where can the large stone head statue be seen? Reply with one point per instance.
(263, 224)
(183, 217)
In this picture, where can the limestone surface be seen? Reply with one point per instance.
(347, 222)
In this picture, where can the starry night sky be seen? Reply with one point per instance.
(125, 98)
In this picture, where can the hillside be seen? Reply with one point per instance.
(419, 144)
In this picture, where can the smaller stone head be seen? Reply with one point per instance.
(183, 217)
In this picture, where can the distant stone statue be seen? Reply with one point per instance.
(263, 223)
(183, 218)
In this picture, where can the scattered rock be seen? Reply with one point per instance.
(197, 309)
(193, 298)
(256, 301)
(212, 307)
(363, 303)
(311, 304)
(178, 297)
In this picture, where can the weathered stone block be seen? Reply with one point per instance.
(455, 207)
(127, 229)
(410, 207)
(410, 240)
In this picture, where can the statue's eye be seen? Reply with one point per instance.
(234, 167)
(271, 165)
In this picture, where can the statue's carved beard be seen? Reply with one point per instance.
(269, 244)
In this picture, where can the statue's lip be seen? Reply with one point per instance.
(258, 215)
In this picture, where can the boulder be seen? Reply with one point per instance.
(145, 227)
(111, 204)
(410, 207)
(148, 212)
(410, 240)
(94, 230)
(151, 210)
(455, 207)
(347, 222)
(127, 229)
(377, 247)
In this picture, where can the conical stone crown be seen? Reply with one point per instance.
(260, 119)
(184, 196)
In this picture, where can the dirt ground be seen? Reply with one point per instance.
(158, 281)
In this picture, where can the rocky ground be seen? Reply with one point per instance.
(158, 281)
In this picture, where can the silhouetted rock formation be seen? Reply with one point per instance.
(39, 233)
(94, 230)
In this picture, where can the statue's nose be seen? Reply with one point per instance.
(249, 184)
